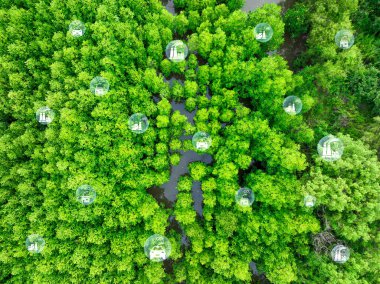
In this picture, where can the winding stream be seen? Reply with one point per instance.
(167, 193)
(251, 5)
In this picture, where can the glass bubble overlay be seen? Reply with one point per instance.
(85, 194)
(35, 243)
(99, 86)
(157, 248)
(45, 115)
(309, 200)
(138, 123)
(344, 39)
(201, 141)
(244, 197)
(340, 253)
(77, 28)
(176, 51)
(292, 105)
(330, 148)
(263, 32)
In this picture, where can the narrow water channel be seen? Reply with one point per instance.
(291, 48)
(167, 193)
(169, 5)
(170, 188)
(251, 5)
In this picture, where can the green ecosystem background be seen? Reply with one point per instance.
(237, 90)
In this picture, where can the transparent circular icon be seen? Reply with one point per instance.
(263, 32)
(309, 200)
(340, 253)
(244, 197)
(330, 148)
(35, 243)
(157, 248)
(86, 194)
(201, 141)
(138, 123)
(45, 115)
(292, 105)
(99, 86)
(77, 28)
(176, 51)
(344, 39)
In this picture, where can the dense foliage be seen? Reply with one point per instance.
(237, 91)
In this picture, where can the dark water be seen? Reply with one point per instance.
(173, 79)
(251, 5)
(183, 111)
(169, 5)
(196, 192)
(167, 193)
(253, 267)
(291, 47)
(170, 188)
